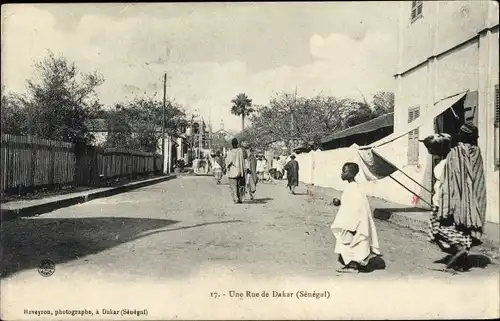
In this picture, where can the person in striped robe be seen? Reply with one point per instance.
(458, 216)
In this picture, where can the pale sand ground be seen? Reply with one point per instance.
(166, 247)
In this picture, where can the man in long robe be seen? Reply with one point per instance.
(292, 173)
(353, 227)
(458, 218)
(251, 181)
(235, 164)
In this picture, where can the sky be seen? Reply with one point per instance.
(210, 51)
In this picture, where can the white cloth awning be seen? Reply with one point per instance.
(373, 165)
(438, 108)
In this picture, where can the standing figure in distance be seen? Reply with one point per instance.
(292, 174)
(251, 173)
(235, 164)
(279, 168)
(217, 167)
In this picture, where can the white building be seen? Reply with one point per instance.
(444, 49)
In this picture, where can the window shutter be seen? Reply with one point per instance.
(416, 9)
(497, 108)
(470, 107)
(413, 113)
(416, 113)
(497, 128)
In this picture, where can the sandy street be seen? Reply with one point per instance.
(187, 232)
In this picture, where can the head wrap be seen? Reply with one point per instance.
(438, 143)
(468, 130)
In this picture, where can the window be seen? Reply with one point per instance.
(416, 10)
(413, 113)
(497, 127)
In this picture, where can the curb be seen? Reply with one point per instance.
(384, 213)
(11, 214)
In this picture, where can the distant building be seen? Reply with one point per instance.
(222, 133)
(361, 134)
(446, 48)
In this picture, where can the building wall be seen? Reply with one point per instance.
(428, 71)
(443, 25)
(322, 168)
(458, 21)
(417, 36)
(458, 71)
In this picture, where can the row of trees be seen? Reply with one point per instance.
(57, 103)
(136, 124)
(303, 121)
(61, 103)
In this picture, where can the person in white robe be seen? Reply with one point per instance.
(353, 227)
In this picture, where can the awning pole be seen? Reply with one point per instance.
(406, 188)
(414, 181)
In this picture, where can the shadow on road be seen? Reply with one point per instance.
(188, 227)
(386, 213)
(260, 200)
(474, 260)
(376, 263)
(26, 242)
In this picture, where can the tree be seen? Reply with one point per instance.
(59, 104)
(303, 120)
(120, 131)
(137, 124)
(383, 102)
(242, 106)
(12, 114)
(360, 112)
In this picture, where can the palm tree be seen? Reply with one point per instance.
(242, 106)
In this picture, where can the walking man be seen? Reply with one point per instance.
(292, 173)
(235, 164)
(251, 177)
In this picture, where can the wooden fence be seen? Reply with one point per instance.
(95, 164)
(29, 163)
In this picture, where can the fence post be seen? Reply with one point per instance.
(52, 162)
(121, 163)
(33, 159)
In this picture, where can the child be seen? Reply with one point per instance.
(353, 227)
(217, 167)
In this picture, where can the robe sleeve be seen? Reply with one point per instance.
(348, 216)
(346, 237)
(229, 159)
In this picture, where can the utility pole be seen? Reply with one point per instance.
(292, 141)
(163, 121)
(202, 134)
(192, 139)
